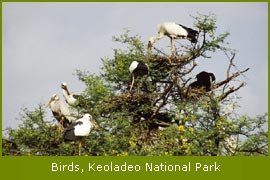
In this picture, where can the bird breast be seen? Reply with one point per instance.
(83, 129)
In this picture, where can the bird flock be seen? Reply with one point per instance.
(74, 129)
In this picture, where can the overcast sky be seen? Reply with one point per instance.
(44, 43)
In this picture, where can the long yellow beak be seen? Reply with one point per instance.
(96, 125)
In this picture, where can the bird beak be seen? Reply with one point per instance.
(48, 104)
(149, 45)
(149, 48)
(96, 124)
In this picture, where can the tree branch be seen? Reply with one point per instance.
(229, 78)
(231, 90)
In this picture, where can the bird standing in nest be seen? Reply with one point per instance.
(137, 69)
(173, 31)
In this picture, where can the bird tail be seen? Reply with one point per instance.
(192, 34)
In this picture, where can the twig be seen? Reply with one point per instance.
(231, 90)
(228, 70)
(232, 64)
(160, 51)
(163, 96)
(230, 78)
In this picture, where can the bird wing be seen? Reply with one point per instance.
(65, 111)
(133, 66)
(77, 96)
(174, 30)
(72, 126)
(69, 133)
(195, 32)
(83, 130)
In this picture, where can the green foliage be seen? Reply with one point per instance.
(166, 118)
(115, 71)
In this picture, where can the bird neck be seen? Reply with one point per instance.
(156, 38)
(66, 92)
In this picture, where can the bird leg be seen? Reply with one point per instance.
(138, 88)
(172, 45)
(60, 126)
(132, 82)
(80, 146)
(172, 48)
(59, 129)
(149, 51)
(62, 121)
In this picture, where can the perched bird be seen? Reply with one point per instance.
(173, 31)
(204, 80)
(79, 129)
(137, 69)
(71, 98)
(60, 112)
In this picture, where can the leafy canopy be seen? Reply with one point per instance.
(166, 118)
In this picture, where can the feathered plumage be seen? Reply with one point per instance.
(204, 80)
(137, 69)
(79, 129)
(173, 31)
(71, 98)
(60, 111)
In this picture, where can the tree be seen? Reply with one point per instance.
(166, 118)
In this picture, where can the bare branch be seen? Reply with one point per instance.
(230, 65)
(231, 90)
(230, 78)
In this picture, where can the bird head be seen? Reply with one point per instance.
(151, 41)
(95, 124)
(87, 116)
(64, 85)
(90, 118)
(53, 98)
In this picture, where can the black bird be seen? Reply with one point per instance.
(204, 80)
(137, 69)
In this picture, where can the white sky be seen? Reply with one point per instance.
(44, 43)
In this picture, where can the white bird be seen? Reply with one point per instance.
(80, 128)
(137, 69)
(60, 112)
(71, 98)
(173, 31)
